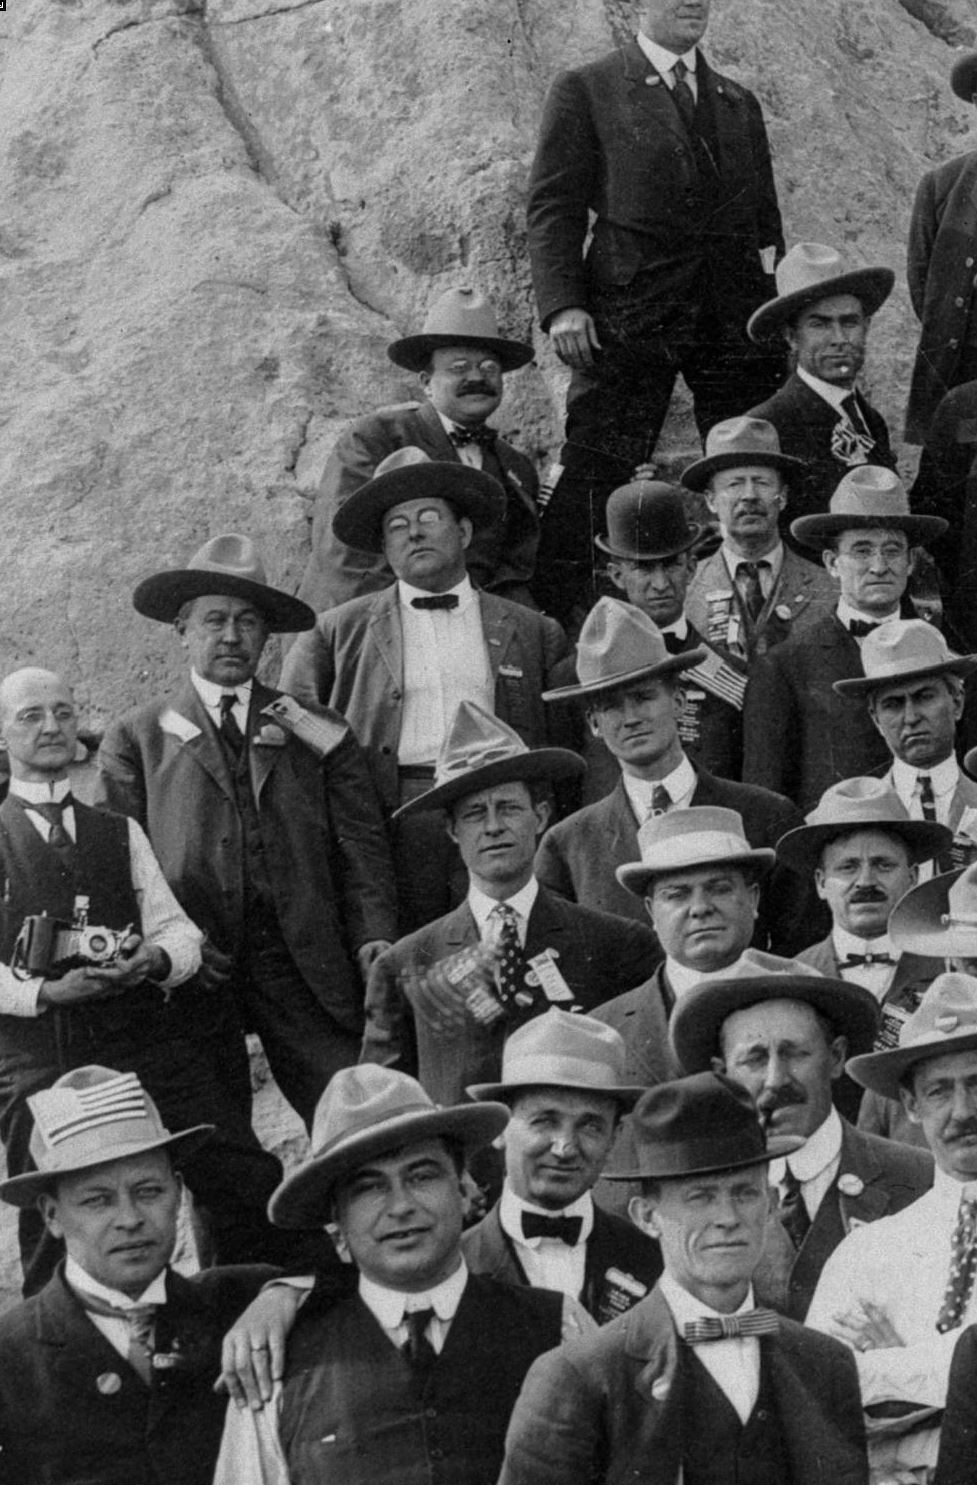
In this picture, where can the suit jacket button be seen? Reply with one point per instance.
(395, 695)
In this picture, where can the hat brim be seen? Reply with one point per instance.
(687, 660)
(625, 1094)
(915, 922)
(962, 665)
(164, 594)
(817, 532)
(23, 1190)
(303, 1199)
(413, 352)
(881, 1072)
(699, 1015)
(635, 875)
(472, 493)
(698, 475)
(695, 531)
(871, 285)
(801, 848)
(554, 764)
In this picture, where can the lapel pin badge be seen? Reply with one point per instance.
(850, 1185)
(108, 1382)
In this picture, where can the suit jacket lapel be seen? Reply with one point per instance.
(205, 747)
(385, 631)
(261, 757)
(83, 1358)
(459, 927)
(651, 102)
(433, 426)
(499, 628)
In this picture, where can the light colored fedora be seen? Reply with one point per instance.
(89, 1117)
(680, 840)
(647, 522)
(410, 474)
(480, 751)
(618, 645)
(459, 317)
(859, 804)
(904, 650)
(230, 565)
(364, 1112)
(963, 77)
(737, 443)
(557, 1050)
(811, 271)
(938, 918)
(867, 496)
(755, 978)
(944, 1021)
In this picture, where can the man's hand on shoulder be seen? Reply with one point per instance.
(574, 338)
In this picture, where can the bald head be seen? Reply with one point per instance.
(38, 724)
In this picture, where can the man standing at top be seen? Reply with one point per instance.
(672, 160)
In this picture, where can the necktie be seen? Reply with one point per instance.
(229, 730)
(672, 642)
(682, 94)
(853, 960)
(927, 798)
(58, 838)
(751, 587)
(724, 1327)
(417, 1348)
(141, 1322)
(563, 1229)
(858, 628)
(436, 600)
(483, 436)
(851, 442)
(661, 801)
(963, 1267)
(793, 1209)
(510, 952)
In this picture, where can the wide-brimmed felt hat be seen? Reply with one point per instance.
(365, 1112)
(970, 763)
(619, 645)
(945, 1021)
(904, 650)
(459, 317)
(681, 840)
(963, 77)
(410, 474)
(480, 751)
(868, 496)
(859, 804)
(558, 1050)
(938, 918)
(91, 1116)
(754, 979)
(738, 443)
(812, 271)
(647, 522)
(229, 565)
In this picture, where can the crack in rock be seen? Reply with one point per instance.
(942, 19)
(263, 15)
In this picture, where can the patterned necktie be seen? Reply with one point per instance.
(963, 1267)
(750, 585)
(58, 838)
(510, 952)
(229, 729)
(793, 1209)
(682, 94)
(661, 801)
(851, 442)
(563, 1229)
(725, 1327)
(141, 1323)
(417, 1348)
(484, 437)
(436, 600)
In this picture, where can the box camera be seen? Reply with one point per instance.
(45, 944)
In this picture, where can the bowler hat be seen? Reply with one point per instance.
(480, 751)
(868, 496)
(738, 443)
(812, 271)
(904, 650)
(89, 1117)
(680, 840)
(365, 1112)
(229, 565)
(695, 1126)
(410, 474)
(647, 522)
(963, 77)
(755, 978)
(619, 645)
(557, 1050)
(859, 804)
(945, 1021)
(938, 918)
(459, 317)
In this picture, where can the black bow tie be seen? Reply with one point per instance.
(858, 628)
(436, 600)
(564, 1229)
(484, 437)
(854, 959)
(673, 644)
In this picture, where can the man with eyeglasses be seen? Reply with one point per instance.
(460, 360)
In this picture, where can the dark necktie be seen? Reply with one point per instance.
(141, 1322)
(436, 600)
(723, 1327)
(661, 801)
(749, 582)
(793, 1209)
(417, 1348)
(682, 94)
(510, 953)
(851, 441)
(853, 960)
(563, 1229)
(483, 436)
(229, 730)
(58, 838)
(963, 1267)
(673, 644)
(927, 798)
(858, 628)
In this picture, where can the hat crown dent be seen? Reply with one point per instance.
(404, 458)
(233, 555)
(362, 1097)
(808, 264)
(870, 491)
(703, 1122)
(88, 1116)
(475, 739)
(947, 1010)
(859, 801)
(705, 822)
(558, 1044)
(464, 312)
(756, 964)
(903, 646)
(617, 639)
(962, 900)
(754, 438)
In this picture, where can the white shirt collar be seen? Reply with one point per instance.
(846, 613)
(830, 393)
(685, 1307)
(846, 943)
(815, 1155)
(661, 58)
(945, 777)
(390, 1305)
(948, 1192)
(482, 906)
(511, 1208)
(44, 793)
(406, 593)
(680, 629)
(775, 557)
(77, 1278)
(210, 693)
(449, 424)
(682, 978)
(680, 782)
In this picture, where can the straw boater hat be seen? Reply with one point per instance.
(859, 804)
(365, 1112)
(410, 474)
(230, 565)
(480, 751)
(647, 522)
(459, 317)
(944, 1021)
(938, 918)
(618, 646)
(904, 650)
(738, 443)
(557, 1050)
(963, 77)
(755, 979)
(868, 496)
(680, 840)
(90, 1117)
(811, 271)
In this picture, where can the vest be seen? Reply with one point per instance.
(717, 1449)
(260, 913)
(354, 1413)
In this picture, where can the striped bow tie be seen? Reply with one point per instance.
(726, 1327)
